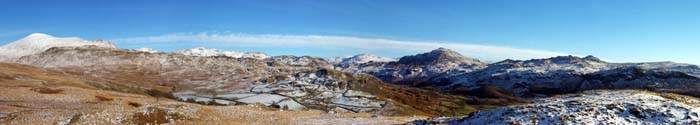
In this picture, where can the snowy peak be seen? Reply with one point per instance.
(39, 42)
(38, 35)
(439, 56)
(361, 58)
(201, 51)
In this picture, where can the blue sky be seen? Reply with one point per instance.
(615, 30)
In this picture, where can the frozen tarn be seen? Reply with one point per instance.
(357, 102)
(291, 105)
(234, 96)
(192, 96)
(266, 99)
(352, 93)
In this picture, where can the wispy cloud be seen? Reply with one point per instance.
(366, 45)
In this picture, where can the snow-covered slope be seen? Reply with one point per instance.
(38, 42)
(443, 68)
(592, 107)
(519, 76)
(669, 66)
(201, 51)
(566, 74)
(358, 59)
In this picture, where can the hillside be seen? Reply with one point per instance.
(33, 95)
(591, 107)
(453, 73)
(280, 81)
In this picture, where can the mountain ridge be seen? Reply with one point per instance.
(201, 51)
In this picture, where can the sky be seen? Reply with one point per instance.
(491, 30)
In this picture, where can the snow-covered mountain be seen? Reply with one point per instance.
(592, 107)
(566, 74)
(520, 76)
(39, 42)
(358, 59)
(201, 51)
(417, 70)
(443, 68)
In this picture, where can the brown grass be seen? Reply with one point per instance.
(689, 100)
(28, 107)
(155, 116)
(134, 104)
(46, 76)
(4, 76)
(46, 90)
(102, 98)
(416, 101)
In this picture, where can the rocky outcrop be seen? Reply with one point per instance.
(593, 107)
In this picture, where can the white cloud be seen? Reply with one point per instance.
(366, 45)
